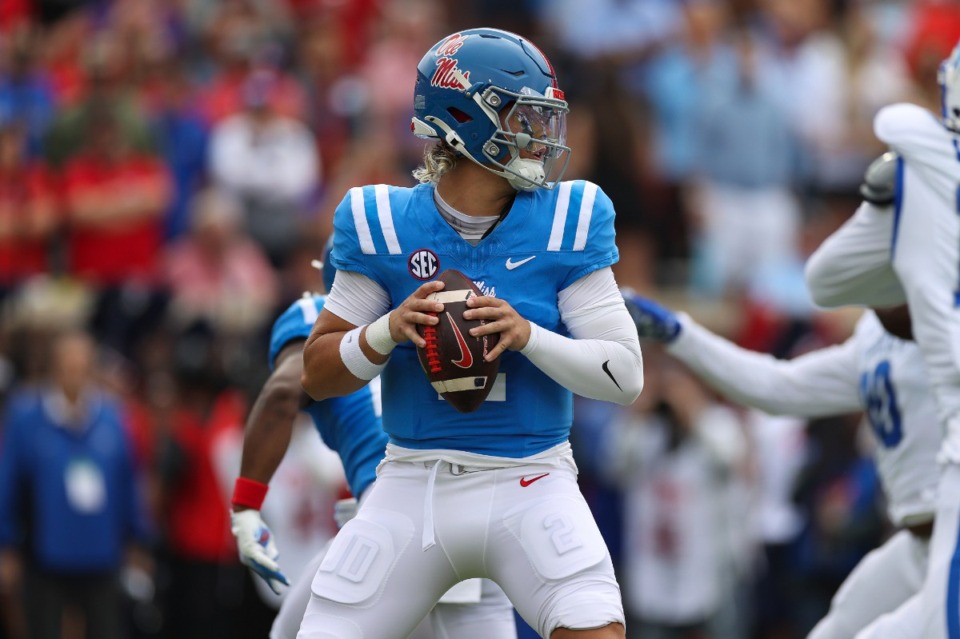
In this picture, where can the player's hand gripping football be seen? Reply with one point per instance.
(653, 321)
(257, 548)
(501, 318)
(414, 310)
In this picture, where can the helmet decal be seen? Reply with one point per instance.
(451, 45)
(449, 76)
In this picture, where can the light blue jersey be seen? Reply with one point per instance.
(348, 425)
(549, 240)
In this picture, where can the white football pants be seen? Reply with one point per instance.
(426, 526)
(474, 609)
(882, 582)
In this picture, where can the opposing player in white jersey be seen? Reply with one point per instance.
(491, 493)
(351, 426)
(873, 371)
(913, 255)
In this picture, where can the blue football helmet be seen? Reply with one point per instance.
(948, 78)
(491, 94)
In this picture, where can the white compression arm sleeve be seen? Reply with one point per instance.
(823, 382)
(603, 361)
(852, 266)
(357, 298)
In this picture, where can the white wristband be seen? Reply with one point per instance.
(378, 335)
(354, 359)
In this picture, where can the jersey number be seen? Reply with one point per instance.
(880, 400)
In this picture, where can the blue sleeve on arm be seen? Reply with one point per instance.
(295, 323)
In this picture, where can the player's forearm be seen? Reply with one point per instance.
(852, 266)
(601, 369)
(269, 429)
(818, 384)
(324, 373)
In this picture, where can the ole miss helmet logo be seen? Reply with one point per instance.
(451, 45)
(423, 264)
(448, 75)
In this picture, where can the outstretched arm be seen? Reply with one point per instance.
(852, 266)
(820, 383)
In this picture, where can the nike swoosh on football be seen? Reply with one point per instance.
(526, 482)
(512, 265)
(606, 369)
(466, 357)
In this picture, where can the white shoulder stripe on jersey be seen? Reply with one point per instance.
(386, 218)
(360, 220)
(586, 212)
(560, 216)
(309, 309)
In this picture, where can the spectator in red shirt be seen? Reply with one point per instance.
(115, 199)
(207, 590)
(28, 210)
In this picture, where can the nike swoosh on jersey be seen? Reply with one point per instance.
(606, 369)
(526, 482)
(466, 357)
(512, 265)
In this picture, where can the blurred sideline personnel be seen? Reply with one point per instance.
(911, 253)
(66, 460)
(877, 370)
(492, 493)
(350, 426)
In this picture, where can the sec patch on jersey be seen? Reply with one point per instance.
(453, 359)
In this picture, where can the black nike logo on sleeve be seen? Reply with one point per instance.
(606, 369)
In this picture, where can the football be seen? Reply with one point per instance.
(453, 359)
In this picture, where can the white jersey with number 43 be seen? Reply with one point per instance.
(872, 371)
(925, 248)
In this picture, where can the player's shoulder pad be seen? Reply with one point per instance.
(879, 184)
(580, 210)
(906, 125)
(372, 220)
(294, 323)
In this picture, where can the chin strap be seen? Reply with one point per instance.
(524, 174)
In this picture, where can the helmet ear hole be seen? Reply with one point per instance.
(459, 115)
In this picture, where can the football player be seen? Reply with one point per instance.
(878, 370)
(912, 254)
(351, 426)
(491, 493)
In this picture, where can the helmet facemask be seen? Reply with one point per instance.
(528, 145)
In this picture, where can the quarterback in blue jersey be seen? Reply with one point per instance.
(350, 426)
(492, 493)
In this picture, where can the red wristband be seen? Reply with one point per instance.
(248, 493)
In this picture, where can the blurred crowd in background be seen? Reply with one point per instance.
(169, 169)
